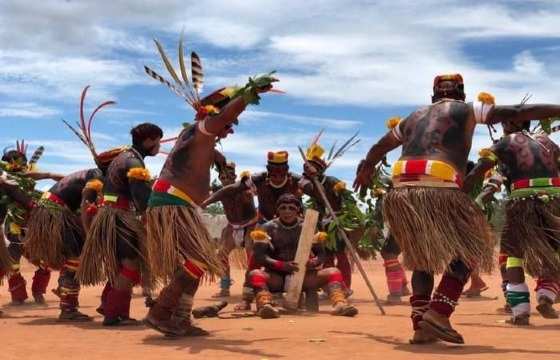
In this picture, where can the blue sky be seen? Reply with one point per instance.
(345, 65)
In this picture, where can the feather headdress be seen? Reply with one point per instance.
(190, 88)
(83, 131)
(187, 88)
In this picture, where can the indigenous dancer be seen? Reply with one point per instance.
(16, 164)
(10, 193)
(438, 227)
(335, 190)
(180, 247)
(56, 235)
(241, 213)
(532, 228)
(477, 284)
(268, 186)
(275, 248)
(115, 248)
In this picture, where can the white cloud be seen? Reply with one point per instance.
(28, 110)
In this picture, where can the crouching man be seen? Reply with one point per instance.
(274, 251)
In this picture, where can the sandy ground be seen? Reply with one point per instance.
(31, 332)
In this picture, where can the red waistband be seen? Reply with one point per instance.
(56, 199)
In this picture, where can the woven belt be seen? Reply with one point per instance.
(417, 170)
(164, 186)
(117, 202)
(54, 198)
(535, 183)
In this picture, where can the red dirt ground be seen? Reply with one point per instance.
(31, 332)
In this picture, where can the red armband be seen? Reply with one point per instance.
(278, 265)
(91, 210)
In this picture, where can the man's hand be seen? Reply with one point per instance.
(364, 174)
(312, 264)
(291, 266)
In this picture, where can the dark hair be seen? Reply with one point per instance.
(12, 155)
(145, 131)
(470, 166)
(457, 93)
(288, 198)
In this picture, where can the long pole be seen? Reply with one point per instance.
(331, 213)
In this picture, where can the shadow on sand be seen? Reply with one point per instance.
(197, 345)
(444, 348)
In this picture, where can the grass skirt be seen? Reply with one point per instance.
(532, 232)
(45, 236)
(434, 226)
(176, 233)
(5, 260)
(111, 231)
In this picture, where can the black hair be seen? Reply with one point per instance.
(145, 131)
(12, 155)
(457, 93)
(288, 198)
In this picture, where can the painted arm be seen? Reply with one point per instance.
(262, 259)
(14, 192)
(228, 115)
(219, 161)
(477, 173)
(377, 152)
(223, 193)
(43, 176)
(521, 113)
(139, 183)
(88, 207)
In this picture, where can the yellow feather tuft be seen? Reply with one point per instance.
(96, 185)
(486, 98)
(393, 122)
(138, 173)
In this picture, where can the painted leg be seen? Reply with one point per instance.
(443, 303)
(517, 292)
(69, 290)
(547, 293)
(337, 296)
(40, 283)
(422, 286)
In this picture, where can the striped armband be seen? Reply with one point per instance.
(481, 111)
(248, 181)
(513, 262)
(202, 127)
(138, 173)
(397, 132)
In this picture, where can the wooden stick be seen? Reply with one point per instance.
(294, 282)
(331, 213)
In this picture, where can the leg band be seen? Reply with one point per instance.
(194, 268)
(513, 262)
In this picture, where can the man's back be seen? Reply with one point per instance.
(528, 156)
(442, 131)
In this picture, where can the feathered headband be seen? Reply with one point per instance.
(22, 147)
(315, 152)
(83, 132)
